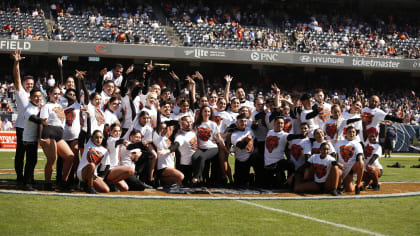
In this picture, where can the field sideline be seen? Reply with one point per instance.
(29, 214)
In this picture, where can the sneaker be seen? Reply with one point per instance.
(29, 187)
(396, 165)
(90, 190)
(334, 192)
(146, 186)
(64, 187)
(114, 188)
(48, 187)
(376, 187)
(357, 190)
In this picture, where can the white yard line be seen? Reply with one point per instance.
(310, 218)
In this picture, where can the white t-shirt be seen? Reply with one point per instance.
(372, 118)
(105, 99)
(125, 156)
(97, 119)
(153, 115)
(347, 152)
(323, 115)
(110, 76)
(311, 122)
(322, 167)
(125, 106)
(370, 150)
(54, 113)
(113, 152)
(298, 149)
(22, 100)
(187, 146)
(139, 102)
(72, 124)
(238, 136)
(92, 152)
(181, 114)
(30, 131)
(110, 117)
(288, 125)
(331, 131)
(163, 143)
(275, 144)
(205, 133)
(227, 119)
(358, 125)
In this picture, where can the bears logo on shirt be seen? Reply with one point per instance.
(70, 116)
(368, 151)
(249, 145)
(217, 119)
(59, 113)
(168, 142)
(367, 118)
(271, 142)
(99, 116)
(331, 129)
(94, 156)
(193, 143)
(287, 125)
(296, 151)
(204, 134)
(320, 170)
(346, 152)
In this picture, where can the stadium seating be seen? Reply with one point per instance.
(77, 24)
(22, 21)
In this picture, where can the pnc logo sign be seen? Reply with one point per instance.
(100, 48)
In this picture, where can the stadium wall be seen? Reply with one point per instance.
(133, 51)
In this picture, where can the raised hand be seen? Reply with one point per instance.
(275, 88)
(198, 75)
(60, 61)
(228, 78)
(130, 69)
(16, 56)
(150, 66)
(174, 76)
(80, 74)
(103, 71)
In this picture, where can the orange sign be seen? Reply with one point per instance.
(100, 48)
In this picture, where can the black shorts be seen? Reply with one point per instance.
(160, 172)
(52, 132)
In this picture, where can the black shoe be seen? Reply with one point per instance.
(64, 187)
(376, 187)
(357, 190)
(396, 165)
(114, 188)
(29, 187)
(415, 166)
(48, 187)
(90, 190)
(145, 185)
(19, 183)
(334, 192)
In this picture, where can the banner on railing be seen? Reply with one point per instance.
(8, 140)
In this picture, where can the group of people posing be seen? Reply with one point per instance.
(133, 134)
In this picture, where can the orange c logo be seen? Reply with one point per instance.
(100, 48)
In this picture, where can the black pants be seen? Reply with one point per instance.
(275, 176)
(187, 170)
(260, 177)
(134, 183)
(31, 149)
(199, 159)
(19, 155)
(142, 167)
(242, 169)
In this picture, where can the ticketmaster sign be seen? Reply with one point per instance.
(136, 51)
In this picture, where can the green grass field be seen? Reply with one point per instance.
(52, 215)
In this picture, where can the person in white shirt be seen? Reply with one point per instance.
(324, 173)
(6, 125)
(350, 154)
(373, 169)
(115, 75)
(93, 157)
(52, 141)
(22, 100)
(31, 136)
(208, 135)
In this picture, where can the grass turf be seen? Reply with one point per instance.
(24, 215)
